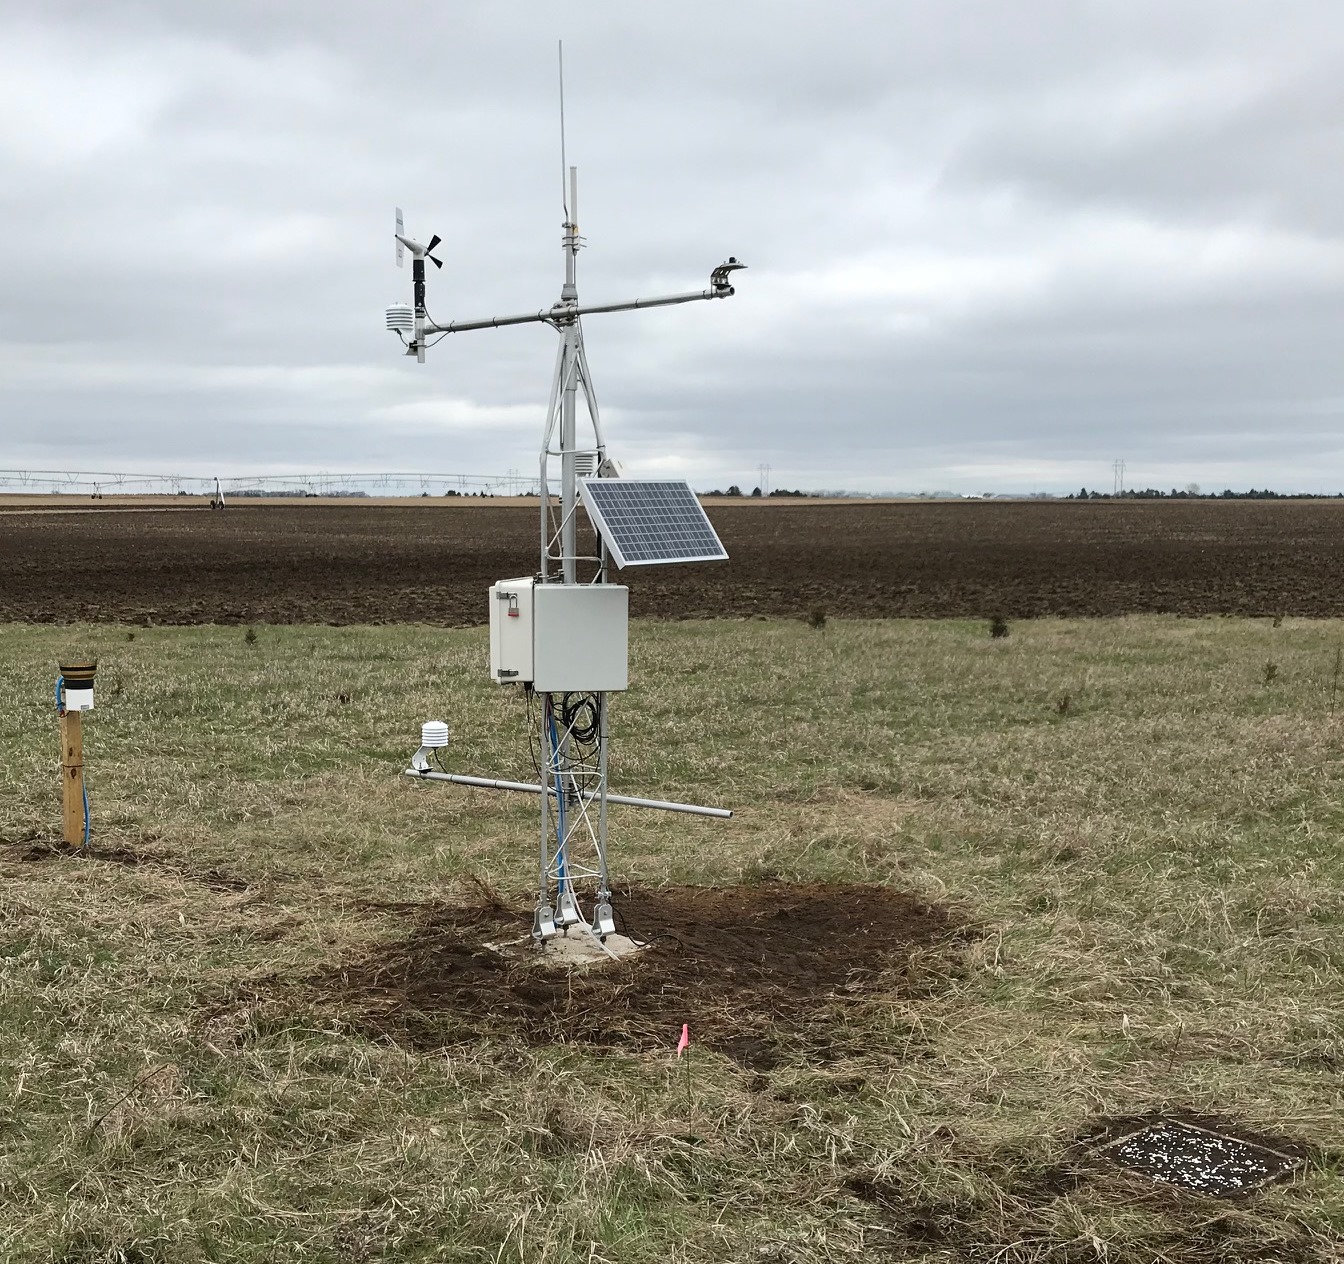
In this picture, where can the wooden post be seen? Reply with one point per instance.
(76, 698)
(72, 777)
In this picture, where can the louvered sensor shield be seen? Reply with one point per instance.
(650, 522)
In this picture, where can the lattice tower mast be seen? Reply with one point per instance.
(573, 772)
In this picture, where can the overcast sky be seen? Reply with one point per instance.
(992, 246)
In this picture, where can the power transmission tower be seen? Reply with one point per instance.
(1118, 469)
(763, 471)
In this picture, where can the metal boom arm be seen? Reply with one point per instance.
(562, 313)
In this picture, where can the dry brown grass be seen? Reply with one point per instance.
(1156, 873)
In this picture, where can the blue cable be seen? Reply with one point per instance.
(561, 867)
(60, 706)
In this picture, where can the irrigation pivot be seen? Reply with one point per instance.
(562, 633)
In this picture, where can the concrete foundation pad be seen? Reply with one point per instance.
(578, 948)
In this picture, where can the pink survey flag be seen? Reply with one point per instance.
(684, 1043)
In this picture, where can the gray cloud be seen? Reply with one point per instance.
(991, 246)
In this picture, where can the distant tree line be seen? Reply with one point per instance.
(1193, 493)
(735, 490)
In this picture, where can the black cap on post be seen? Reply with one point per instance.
(82, 671)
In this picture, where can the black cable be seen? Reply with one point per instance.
(646, 940)
(582, 717)
(649, 940)
(584, 753)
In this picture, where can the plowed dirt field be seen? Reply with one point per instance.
(343, 562)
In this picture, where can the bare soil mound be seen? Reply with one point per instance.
(750, 968)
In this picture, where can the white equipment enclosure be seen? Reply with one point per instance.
(560, 638)
(562, 634)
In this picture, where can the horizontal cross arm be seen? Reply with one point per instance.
(564, 312)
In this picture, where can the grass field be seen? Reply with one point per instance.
(1133, 826)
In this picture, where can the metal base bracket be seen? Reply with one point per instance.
(569, 910)
(604, 921)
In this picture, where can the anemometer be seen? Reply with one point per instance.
(561, 633)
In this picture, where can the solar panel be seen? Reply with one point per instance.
(645, 522)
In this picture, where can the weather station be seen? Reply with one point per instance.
(561, 634)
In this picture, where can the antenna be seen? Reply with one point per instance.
(564, 167)
(562, 636)
(400, 230)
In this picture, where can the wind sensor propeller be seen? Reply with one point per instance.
(402, 319)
